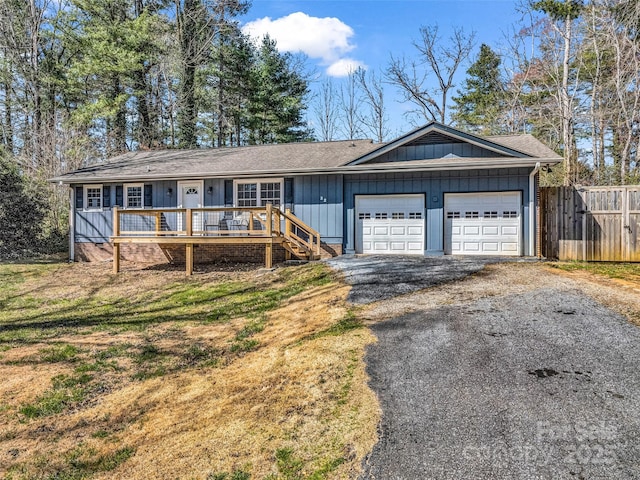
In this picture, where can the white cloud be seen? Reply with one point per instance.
(326, 39)
(344, 67)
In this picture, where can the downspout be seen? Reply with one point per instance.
(72, 221)
(532, 209)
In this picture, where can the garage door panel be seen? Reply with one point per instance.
(390, 224)
(483, 223)
(378, 246)
(490, 246)
(510, 230)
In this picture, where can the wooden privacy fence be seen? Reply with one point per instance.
(590, 223)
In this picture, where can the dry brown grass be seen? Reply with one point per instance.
(295, 389)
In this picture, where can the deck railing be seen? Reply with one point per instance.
(191, 222)
(205, 225)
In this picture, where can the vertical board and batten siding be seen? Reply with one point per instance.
(591, 223)
(434, 185)
(424, 152)
(318, 202)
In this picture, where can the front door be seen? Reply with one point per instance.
(190, 195)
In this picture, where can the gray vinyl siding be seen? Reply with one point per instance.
(318, 202)
(425, 152)
(93, 227)
(434, 186)
(327, 202)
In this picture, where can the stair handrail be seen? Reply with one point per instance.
(313, 244)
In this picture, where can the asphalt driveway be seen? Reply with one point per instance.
(515, 373)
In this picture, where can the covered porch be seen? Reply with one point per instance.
(266, 226)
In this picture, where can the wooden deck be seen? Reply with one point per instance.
(200, 226)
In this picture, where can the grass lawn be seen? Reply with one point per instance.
(622, 271)
(150, 374)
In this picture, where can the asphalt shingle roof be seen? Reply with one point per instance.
(291, 158)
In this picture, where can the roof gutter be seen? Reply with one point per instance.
(349, 170)
(532, 209)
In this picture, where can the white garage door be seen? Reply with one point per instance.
(390, 224)
(483, 223)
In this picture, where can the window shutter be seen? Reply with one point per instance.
(148, 195)
(228, 193)
(106, 196)
(288, 190)
(79, 197)
(119, 196)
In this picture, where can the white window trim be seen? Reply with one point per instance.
(258, 181)
(126, 196)
(85, 201)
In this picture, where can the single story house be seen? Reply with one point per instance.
(435, 190)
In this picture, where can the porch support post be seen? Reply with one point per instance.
(189, 258)
(116, 245)
(268, 250)
(287, 231)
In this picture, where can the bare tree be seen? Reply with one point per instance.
(562, 15)
(326, 111)
(375, 118)
(349, 105)
(437, 65)
(619, 24)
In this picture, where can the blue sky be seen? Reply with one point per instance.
(339, 35)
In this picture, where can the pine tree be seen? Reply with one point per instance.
(479, 106)
(277, 102)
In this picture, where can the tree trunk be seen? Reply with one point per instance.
(565, 106)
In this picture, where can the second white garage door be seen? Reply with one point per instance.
(483, 223)
(390, 224)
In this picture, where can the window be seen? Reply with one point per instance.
(453, 214)
(364, 216)
(257, 193)
(133, 195)
(510, 214)
(415, 215)
(490, 214)
(381, 215)
(397, 215)
(247, 195)
(270, 193)
(471, 215)
(92, 197)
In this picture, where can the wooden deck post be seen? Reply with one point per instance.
(268, 250)
(287, 231)
(116, 245)
(158, 222)
(189, 222)
(189, 258)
